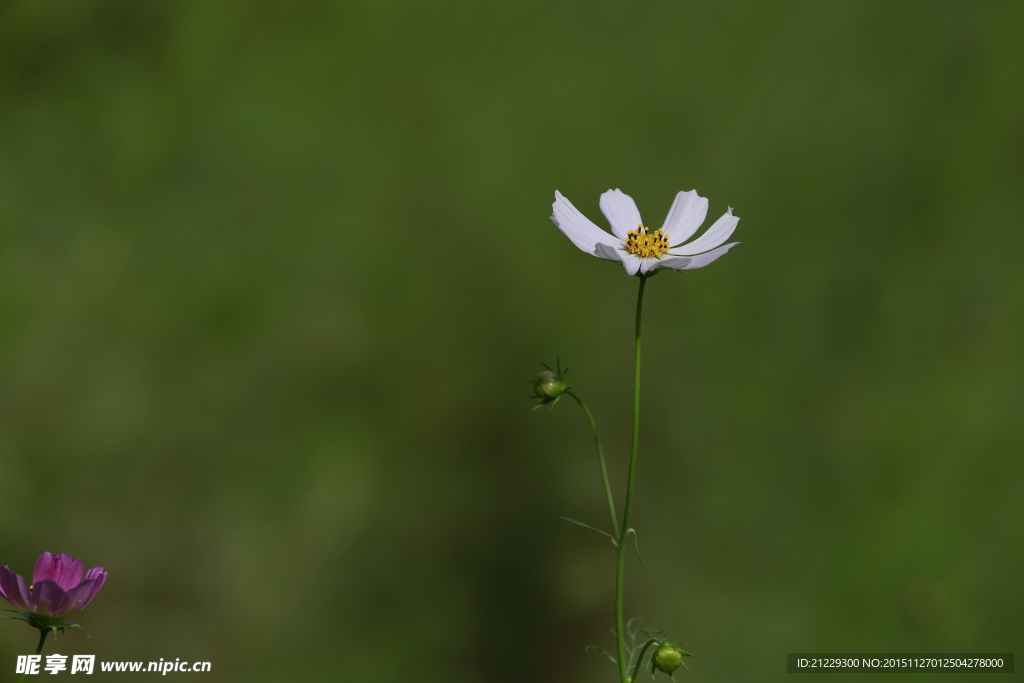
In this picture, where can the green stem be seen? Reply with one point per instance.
(600, 459)
(620, 564)
(640, 659)
(43, 632)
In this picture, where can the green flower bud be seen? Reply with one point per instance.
(667, 658)
(548, 385)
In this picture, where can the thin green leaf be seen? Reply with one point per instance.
(600, 649)
(636, 545)
(640, 659)
(587, 526)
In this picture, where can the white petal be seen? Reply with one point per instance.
(679, 262)
(715, 235)
(684, 217)
(620, 210)
(604, 251)
(699, 261)
(578, 227)
(631, 262)
(649, 264)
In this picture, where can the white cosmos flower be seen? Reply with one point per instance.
(638, 248)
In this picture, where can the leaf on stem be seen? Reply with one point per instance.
(600, 649)
(640, 659)
(636, 545)
(587, 526)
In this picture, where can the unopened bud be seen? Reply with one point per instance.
(548, 385)
(667, 658)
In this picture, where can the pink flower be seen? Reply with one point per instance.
(58, 588)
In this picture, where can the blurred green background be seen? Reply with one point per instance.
(274, 276)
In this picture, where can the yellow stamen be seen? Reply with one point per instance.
(647, 244)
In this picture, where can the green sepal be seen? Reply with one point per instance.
(546, 402)
(45, 623)
(24, 616)
(77, 627)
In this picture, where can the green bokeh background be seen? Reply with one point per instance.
(273, 278)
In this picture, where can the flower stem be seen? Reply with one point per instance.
(600, 460)
(43, 632)
(620, 564)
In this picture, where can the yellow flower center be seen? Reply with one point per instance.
(648, 244)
